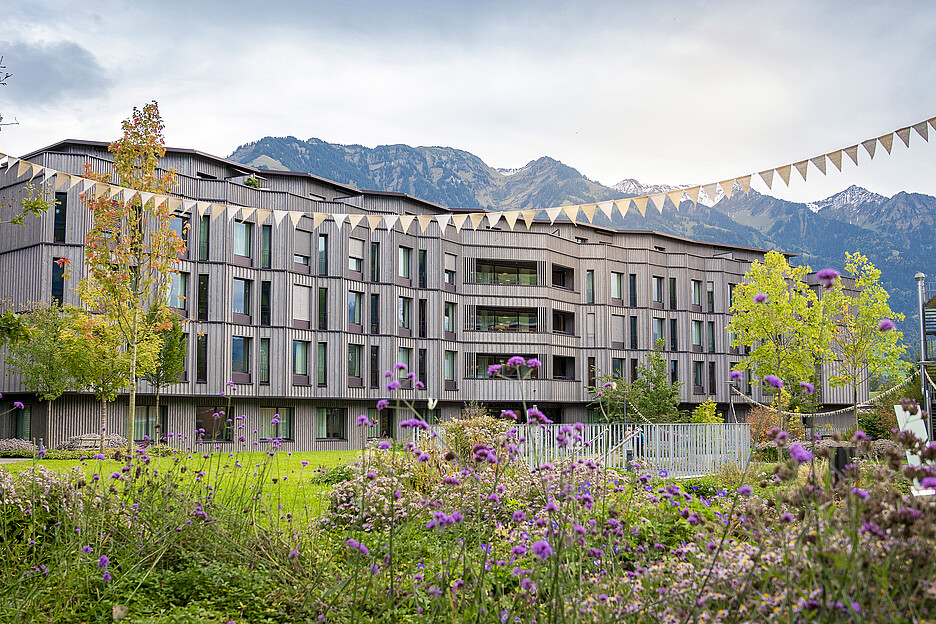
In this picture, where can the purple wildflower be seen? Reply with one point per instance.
(362, 421)
(774, 381)
(860, 435)
(516, 361)
(382, 403)
(87, 550)
(827, 277)
(798, 453)
(293, 553)
(103, 562)
(383, 446)
(928, 482)
(356, 545)
(18, 405)
(542, 549)
(393, 385)
(807, 387)
(745, 490)
(886, 325)
(760, 297)
(533, 363)
(735, 375)
(106, 576)
(400, 366)
(518, 516)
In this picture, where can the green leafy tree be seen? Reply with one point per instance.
(706, 413)
(651, 393)
(863, 347)
(13, 328)
(170, 357)
(132, 250)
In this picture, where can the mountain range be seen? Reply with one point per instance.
(896, 233)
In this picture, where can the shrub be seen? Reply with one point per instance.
(706, 413)
(462, 435)
(111, 441)
(15, 444)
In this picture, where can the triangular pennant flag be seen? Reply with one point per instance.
(262, 215)
(23, 166)
(201, 208)
(339, 219)
(767, 177)
(14, 162)
(553, 214)
(712, 191)
(922, 130)
(801, 167)
(819, 162)
(852, 153)
(296, 215)
(87, 185)
(693, 193)
(589, 211)
(36, 170)
(390, 221)
(641, 204)
(658, 200)
(61, 179)
(623, 205)
(159, 200)
(511, 217)
(836, 158)
(529, 215)
(128, 194)
(406, 221)
(317, 218)
(232, 211)
(100, 190)
(675, 197)
(571, 212)
(424, 221)
(145, 197)
(887, 140)
(745, 182)
(606, 207)
(784, 173)
(493, 218)
(476, 218)
(354, 219)
(904, 134)
(246, 212)
(727, 186)
(279, 215)
(217, 210)
(932, 123)
(373, 221)
(458, 221)
(73, 181)
(176, 203)
(188, 206)
(870, 145)
(443, 220)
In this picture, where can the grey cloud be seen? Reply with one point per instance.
(48, 74)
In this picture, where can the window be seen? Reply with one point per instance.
(323, 254)
(355, 255)
(711, 336)
(633, 332)
(282, 428)
(697, 376)
(658, 332)
(632, 288)
(301, 357)
(330, 422)
(563, 367)
(657, 289)
(266, 246)
(203, 297)
(242, 242)
(58, 279)
(321, 362)
(178, 291)
(674, 342)
(405, 305)
(448, 320)
(731, 290)
(710, 296)
(450, 263)
(354, 307)
(404, 270)
(405, 357)
(354, 360)
(633, 369)
(506, 273)
(422, 268)
(375, 262)
(483, 361)
(422, 366)
(697, 334)
(201, 358)
(148, 424)
(375, 366)
(61, 215)
(179, 225)
(323, 308)
(506, 319)
(263, 366)
(241, 296)
(23, 424)
(696, 293)
(448, 372)
(563, 277)
(375, 314)
(617, 285)
(564, 323)
(240, 354)
(589, 286)
(422, 317)
(711, 377)
(204, 237)
(617, 367)
(302, 296)
(211, 423)
(591, 370)
(674, 371)
(590, 329)
(302, 250)
(265, 313)
(672, 293)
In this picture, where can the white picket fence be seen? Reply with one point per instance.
(682, 450)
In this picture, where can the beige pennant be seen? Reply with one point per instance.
(424, 221)
(904, 134)
(458, 221)
(658, 199)
(443, 220)
(145, 197)
(836, 158)
(14, 162)
(188, 205)
(339, 219)
(262, 215)
(870, 146)
(476, 218)
(887, 140)
(159, 200)
(712, 191)
(922, 130)
(318, 218)
(606, 207)
(246, 212)
(727, 186)
(296, 215)
(390, 221)
(178, 204)
(676, 198)
(511, 217)
(571, 212)
(801, 167)
(767, 177)
(355, 219)
(87, 185)
(217, 210)
(589, 211)
(60, 180)
(852, 153)
(201, 208)
(693, 193)
(373, 221)
(819, 162)
(99, 190)
(128, 194)
(406, 221)
(932, 123)
(784, 173)
(529, 215)
(553, 214)
(24, 165)
(74, 181)
(493, 218)
(745, 182)
(623, 205)
(36, 170)
(641, 204)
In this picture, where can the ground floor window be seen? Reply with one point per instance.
(22, 423)
(211, 423)
(275, 422)
(331, 422)
(148, 425)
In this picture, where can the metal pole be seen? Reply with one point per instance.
(920, 278)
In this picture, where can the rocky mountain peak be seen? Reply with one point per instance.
(850, 199)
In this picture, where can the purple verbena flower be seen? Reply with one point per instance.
(542, 549)
(493, 369)
(800, 454)
(745, 490)
(774, 381)
(18, 405)
(516, 361)
(382, 403)
(103, 562)
(807, 387)
(760, 297)
(293, 553)
(886, 325)
(827, 277)
(362, 421)
(533, 363)
(735, 375)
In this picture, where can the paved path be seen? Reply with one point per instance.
(12, 460)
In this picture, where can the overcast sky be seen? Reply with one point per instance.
(664, 92)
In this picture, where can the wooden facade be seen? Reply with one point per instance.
(344, 293)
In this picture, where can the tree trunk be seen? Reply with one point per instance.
(48, 424)
(133, 382)
(855, 404)
(156, 431)
(103, 424)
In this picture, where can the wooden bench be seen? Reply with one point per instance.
(88, 443)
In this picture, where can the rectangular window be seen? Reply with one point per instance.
(375, 314)
(375, 262)
(711, 336)
(241, 296)
(323, 308)
(711, 377)
(263, 366)
(590, 329)
(323, 254)
(302, 296)
(617, 285)
(179, 225)
(422, 366)
(58, 280)
(633, 369)
(658, 331)
(422, 268)
(696, 293)
(266, 246)
(322, 364)
(617, 367)
(375, 366)
(203, 297)
(354, 307)
(512, 273)
(450, 265)
(731, 290)
(61, 215)
(589, 286)
(24, 423)
(301, 357)
(330, 422)
(507, 319)
(657, 289)
(266, 289)
(632, 287)
(591, 371)
(448, 320)
(405, 357)
(697, 334)
(485, 360)
(354, 360)
(178, 291)
(422, 319)
(302, 250)
(275, 422)
(242, 238)
(710, 296)
(201, 358)
(355, 255)
(672, 293)
(674, 342)
(404, 309)
(211, 423)
(448, 373)
(204, 237)
(633, 332)
(674, 371)
(697, 375)
(240, 354)
(403, 268)
(148, 424)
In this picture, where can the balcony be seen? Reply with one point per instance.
(518, 320)
(514, 273)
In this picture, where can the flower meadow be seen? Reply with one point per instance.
(424, 533)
